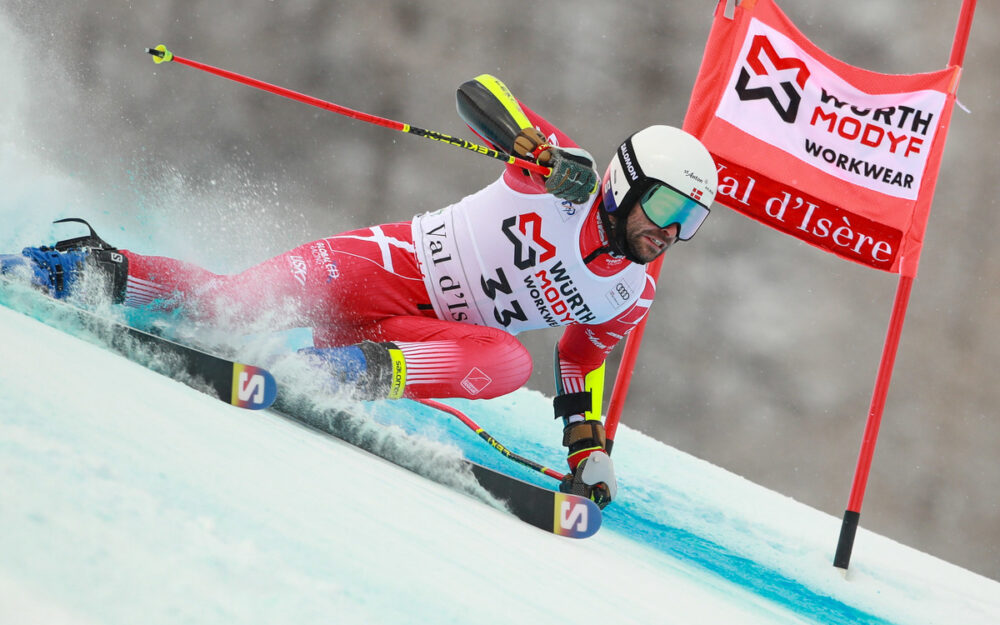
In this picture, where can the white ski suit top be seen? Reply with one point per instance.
(511, 256)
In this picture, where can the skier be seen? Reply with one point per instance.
(430, 308)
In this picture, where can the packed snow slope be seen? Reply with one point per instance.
(126, 497)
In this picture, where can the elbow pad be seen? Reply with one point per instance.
(489, 108)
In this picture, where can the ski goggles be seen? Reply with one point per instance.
(665, 205)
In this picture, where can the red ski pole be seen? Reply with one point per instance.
(162, 55)
(483, 434)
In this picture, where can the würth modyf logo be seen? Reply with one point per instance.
(527, 244)
(775, 69)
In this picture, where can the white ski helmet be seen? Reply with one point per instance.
(667, 172)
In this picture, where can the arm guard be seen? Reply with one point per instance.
(587, 402)
(586, 436)
(490, 109)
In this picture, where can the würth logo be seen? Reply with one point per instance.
(525, 232)
(787, 106)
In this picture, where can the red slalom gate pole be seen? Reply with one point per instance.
(623, 378)
(162, 55)
(962, 33)
(849, 526)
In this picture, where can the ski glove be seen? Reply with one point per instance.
(593, 478)
(593, 473)
(573, 176)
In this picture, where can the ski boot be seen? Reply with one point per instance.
(58, 269)
(371, 370)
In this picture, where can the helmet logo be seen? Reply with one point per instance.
(789, 108)
(629, 166)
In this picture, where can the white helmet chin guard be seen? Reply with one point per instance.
(667, 172)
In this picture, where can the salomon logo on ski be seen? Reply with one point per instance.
(576, 517)
(253, 387)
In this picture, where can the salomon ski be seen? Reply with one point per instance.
(233, 382)
(563, 514)
(252, 387)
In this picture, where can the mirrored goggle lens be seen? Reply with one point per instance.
(664, 206)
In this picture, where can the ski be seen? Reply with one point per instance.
(563, 514)
(233, 382)
(255, 388)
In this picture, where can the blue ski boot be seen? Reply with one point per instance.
(54, 271)
(58, 269)
(371, 370)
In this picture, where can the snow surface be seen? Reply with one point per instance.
(126, 497)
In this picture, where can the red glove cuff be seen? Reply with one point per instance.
(575, 458)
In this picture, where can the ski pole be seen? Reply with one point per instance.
(162, 55)
(483, 434)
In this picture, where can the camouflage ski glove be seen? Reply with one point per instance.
(573, 176)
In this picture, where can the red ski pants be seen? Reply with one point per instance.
(356, 286)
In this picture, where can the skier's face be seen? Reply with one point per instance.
(645, 239)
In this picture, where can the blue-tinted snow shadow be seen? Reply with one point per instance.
(636, 516)
(642, 513)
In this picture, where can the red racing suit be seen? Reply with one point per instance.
(522, 269)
